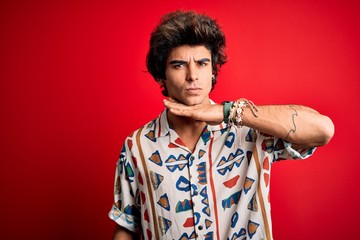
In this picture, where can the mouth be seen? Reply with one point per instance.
(193, 90)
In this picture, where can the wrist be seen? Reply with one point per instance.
(237, 111)
(227, 105)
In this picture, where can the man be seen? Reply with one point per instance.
(201, 170)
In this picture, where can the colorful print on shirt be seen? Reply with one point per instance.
(218, 191)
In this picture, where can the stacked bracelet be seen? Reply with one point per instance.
(237, 111)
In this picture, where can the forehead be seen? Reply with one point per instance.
(187, 52)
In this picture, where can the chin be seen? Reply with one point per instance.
(193, 102)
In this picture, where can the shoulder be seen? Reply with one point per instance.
(147, 130)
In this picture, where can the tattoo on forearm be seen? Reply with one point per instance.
(295, 114)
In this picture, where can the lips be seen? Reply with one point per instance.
(193, 90)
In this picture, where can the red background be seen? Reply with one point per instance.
(74, 84)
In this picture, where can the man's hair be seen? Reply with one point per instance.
(184, 28)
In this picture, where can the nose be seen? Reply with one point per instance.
(192, 73)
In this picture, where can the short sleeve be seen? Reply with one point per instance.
(284, 150)
(125, 210)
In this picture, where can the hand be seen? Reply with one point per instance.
(212, 114)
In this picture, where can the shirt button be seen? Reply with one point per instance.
(192, 158)
(200, 227)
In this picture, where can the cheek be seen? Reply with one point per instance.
(208, 78)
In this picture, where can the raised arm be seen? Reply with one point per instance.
(302, 126)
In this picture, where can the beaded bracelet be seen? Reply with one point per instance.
(237, 111)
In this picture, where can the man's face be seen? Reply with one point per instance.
(188, 74)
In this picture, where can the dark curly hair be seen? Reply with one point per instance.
(184, 28)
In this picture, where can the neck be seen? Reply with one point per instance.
(188, 129)
(178, 122)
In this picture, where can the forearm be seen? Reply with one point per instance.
(302, 126)
(121, 233)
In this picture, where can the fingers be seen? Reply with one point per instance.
(181, 112)
(168, 103)
(171, 104)
(178, 108)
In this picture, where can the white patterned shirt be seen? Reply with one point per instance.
(218, 191)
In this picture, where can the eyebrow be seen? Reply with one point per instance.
(177, 62)
(173, 62)
(203, 60)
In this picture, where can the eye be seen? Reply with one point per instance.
(179, 65)
(203, 63)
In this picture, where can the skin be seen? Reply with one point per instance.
(188, 81)
(124, 234)
(189, 112)
(302, 126)
(188, 75)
